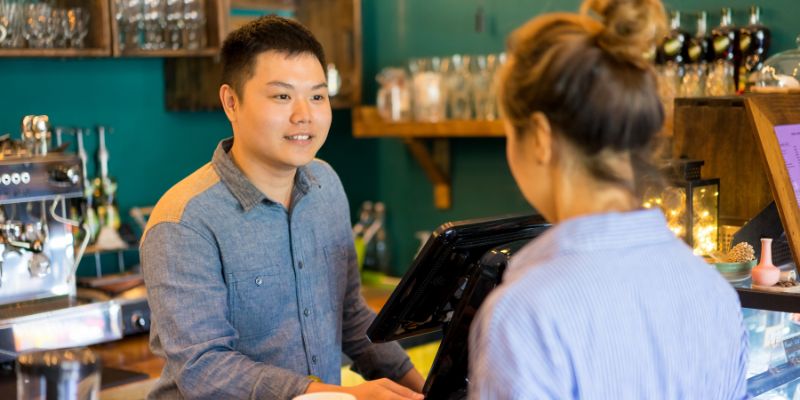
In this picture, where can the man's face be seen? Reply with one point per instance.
(283, 117)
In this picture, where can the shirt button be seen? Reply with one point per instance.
(314, 359)
(259, 281)
(306, 312)
(300, 264)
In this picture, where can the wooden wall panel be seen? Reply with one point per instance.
(192, 84)
(719, 132)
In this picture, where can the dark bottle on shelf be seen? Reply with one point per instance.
(725, 39)
(700, 44)
(675, 46)
(754, 41)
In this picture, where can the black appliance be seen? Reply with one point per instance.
(449, 279)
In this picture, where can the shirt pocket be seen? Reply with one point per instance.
(257, 298)
(337, 264)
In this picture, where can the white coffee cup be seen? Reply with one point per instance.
(325, 396)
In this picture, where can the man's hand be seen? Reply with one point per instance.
(413, 380)
(379, 389)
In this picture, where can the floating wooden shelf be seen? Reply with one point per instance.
(367, 123)
(434, 159)
(216, 29)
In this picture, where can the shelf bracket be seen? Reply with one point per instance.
(436, 164)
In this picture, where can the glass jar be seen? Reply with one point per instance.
(428, 88)
(458, 82)
(780, 72)
(394, 97)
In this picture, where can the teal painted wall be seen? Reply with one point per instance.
(395, 31)
(151, 148)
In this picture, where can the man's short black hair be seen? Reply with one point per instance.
(268, 33)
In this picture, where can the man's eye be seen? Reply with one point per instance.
(318, 97)
(281, 96)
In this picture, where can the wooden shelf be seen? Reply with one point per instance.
(103, 37)
(97, 42)
(216, 29)
(435, 159)
(211, 52)
(367, 123)
(192, 83)
(40, 53)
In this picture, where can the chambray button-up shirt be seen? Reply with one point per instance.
(609, 306)
(249, 299)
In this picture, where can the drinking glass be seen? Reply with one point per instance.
(175, 24)
(154, 20)
(194, 18)
(78, 26)
(458, 82)
(11, 22)
(482, 69)
(36, 28)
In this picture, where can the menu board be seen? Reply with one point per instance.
(776, 121)
(789, 142)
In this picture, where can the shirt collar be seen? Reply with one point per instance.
(243, 190)
(598, 232)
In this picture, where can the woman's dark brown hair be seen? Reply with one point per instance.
(588, 75)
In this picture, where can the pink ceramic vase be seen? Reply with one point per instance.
(765, 273)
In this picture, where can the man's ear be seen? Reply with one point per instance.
(542, 131)
(230, 101)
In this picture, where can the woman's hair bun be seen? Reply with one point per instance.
(631, 27)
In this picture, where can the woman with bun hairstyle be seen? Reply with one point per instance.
(608, 303)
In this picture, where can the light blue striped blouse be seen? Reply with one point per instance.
(609, 306)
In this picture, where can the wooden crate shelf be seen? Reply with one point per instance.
(97, 42)
(216, 29)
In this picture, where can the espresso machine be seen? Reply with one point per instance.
(39, 308)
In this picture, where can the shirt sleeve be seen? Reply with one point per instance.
(735, 380)
(191, 327)
(515, 354)
(370, 360)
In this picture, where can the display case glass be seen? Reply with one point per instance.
(773, 329)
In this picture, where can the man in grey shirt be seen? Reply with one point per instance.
(249, 262)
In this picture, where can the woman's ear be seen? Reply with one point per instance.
(229, 100)
(543, 139)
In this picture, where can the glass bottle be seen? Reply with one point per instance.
(699, 44)
(105, 187)
(382, 254)
(359, 229)
(674, 48)
(726, 43)
(754, 41)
